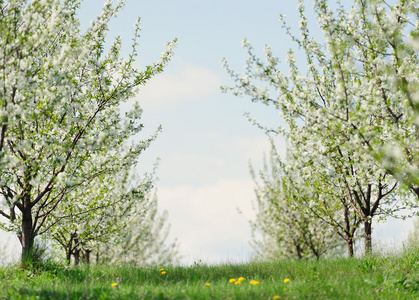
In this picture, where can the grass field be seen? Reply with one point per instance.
(374, 277)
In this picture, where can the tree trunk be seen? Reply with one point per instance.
(367, 236)
(76, 252)
(27, 238)
(76, 257)
(68, 254)
(349, 234)
(298, 249)
(87, 256)
(350, 245)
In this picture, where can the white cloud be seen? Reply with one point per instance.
(213, 157)
(206, 221)
(10, 248)
(179, 168)
(171, 88)
(392, 234)
(252, 147)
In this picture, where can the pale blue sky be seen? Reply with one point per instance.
(206, 141)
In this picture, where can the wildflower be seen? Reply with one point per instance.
(164, 272)
(276, 297)
(237, 282)
(114, 284)
(232, 280)
(254, 282)
(161, 270)
(286, 280)
(118, 261)
(241, 279)
(207, 284)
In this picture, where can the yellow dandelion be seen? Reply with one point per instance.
(161, 270)
(254, 282)
(237, 282)
(232, 280)
(114, 284)
(286, 280)
(207, 284)
(164, 272)
(276, 297)
(242, 279)
(118, 261)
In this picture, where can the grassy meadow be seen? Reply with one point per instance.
(373, 277)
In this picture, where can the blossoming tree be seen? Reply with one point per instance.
(331, 123)
(144, 240)
(117, 221)
(282, 229)
(382, 42)
(111, 223)
(61, 127)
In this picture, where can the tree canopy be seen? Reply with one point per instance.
(350, 117)
(65, 144)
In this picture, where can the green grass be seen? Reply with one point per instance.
(374, 277)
